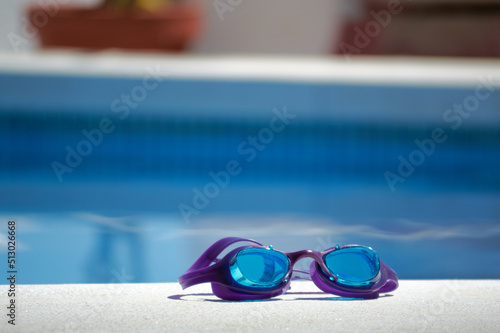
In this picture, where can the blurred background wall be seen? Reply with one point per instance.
(420, 27)
(255, 26)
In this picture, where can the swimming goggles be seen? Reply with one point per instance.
(257, 272)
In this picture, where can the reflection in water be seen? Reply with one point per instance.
(118, 254)
(85, 248)
(395, 230)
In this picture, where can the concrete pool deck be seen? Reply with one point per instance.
(418, 305)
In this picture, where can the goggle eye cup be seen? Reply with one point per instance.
(354, 266)
(259, 268)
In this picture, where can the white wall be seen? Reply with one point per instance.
(267, 26)
(253, 26)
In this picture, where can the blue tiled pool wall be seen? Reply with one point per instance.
(173, 148)
(186, 128)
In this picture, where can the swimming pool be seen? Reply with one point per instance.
(129, 177)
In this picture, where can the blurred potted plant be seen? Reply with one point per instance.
(124, 24)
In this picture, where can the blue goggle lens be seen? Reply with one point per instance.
(353, 266)
(259, 268)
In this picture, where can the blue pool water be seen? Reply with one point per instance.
(115, 214)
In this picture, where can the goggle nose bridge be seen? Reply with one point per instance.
(315, 255)
(298, 255)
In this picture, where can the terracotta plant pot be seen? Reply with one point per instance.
(169, 29)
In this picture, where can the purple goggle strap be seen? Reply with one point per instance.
(201, 271)
(391, 278)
